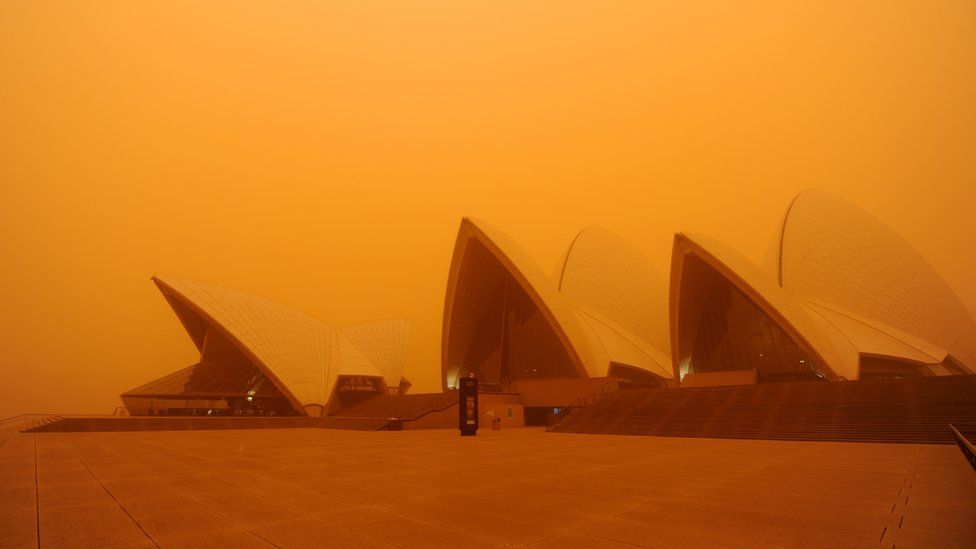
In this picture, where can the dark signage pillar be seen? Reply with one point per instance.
(468, 406)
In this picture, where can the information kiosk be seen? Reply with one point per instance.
(468, 406)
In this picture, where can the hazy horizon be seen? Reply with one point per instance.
(323, 154)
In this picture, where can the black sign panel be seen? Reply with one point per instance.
(468, 406)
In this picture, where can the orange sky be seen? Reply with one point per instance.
(321, 153)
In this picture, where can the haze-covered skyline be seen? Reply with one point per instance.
(323, 155)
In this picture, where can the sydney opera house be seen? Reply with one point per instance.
(849, 299)
(258, 357)
(844, 298)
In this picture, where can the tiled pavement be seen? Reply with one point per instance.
(325, 488)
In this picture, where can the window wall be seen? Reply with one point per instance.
(726, 330)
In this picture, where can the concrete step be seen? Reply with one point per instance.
(903, 410)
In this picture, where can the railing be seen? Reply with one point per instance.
(445, 408)
(581, 402)
(384, 423)
(122, 411)
(968, 450)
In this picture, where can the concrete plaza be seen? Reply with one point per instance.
(518, 487)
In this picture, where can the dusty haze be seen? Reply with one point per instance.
(321, 153)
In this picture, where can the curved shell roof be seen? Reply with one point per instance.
(874, 338)
(554, 306)
(300, 354)
(763, 290)
(384, 344)
(607, 274)
(622, 347)
(595, 314)
(833, 252)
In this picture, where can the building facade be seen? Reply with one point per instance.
(258, 357)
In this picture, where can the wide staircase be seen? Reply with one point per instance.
(16, 424)
(37, 421)
(385, 411)
(906, 410)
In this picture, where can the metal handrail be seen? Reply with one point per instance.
(580, 402)
(385, 421)
(448, 407)
(968, 450)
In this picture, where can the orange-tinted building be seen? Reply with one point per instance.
(847, 299)
(601, 318)
(258, 357)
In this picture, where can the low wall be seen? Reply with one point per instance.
(506, 406)
(558, 392)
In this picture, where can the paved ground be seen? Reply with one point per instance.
(324, 488)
